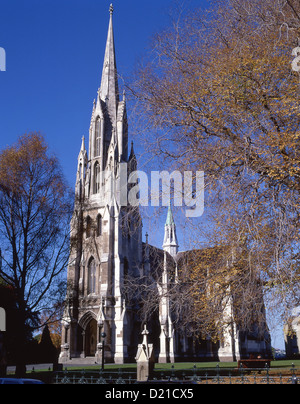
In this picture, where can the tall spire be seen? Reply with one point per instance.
(170, 218)
(170, 240)
(109, 91)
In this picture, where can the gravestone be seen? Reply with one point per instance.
(145, 358)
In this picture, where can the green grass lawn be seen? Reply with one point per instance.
(181, 366)
(227, 365)
(286, 363)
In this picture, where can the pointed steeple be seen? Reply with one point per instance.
(132, 154)
(132, 161)
(170, 240)
(108, 137)
(109, 90)
(170, 218)
(82, 158)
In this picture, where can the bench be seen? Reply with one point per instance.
(254, 363)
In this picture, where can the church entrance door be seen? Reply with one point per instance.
(91, 338)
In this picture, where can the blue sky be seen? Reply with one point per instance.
(54, 56)
(54, 51)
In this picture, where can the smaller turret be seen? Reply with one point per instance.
(170, 241)
(81, 170)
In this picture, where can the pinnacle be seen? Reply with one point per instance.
(170, 218)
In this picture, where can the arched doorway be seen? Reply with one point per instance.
(91, 338)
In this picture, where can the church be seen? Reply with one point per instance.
(107, 246)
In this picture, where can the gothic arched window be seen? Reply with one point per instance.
(92, 276)
(97, 137)
(96, 178)
(99, 225)
(88, 227)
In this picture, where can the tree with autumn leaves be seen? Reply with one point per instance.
(219, 95)
(35, 211)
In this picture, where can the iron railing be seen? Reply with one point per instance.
(94, 377)
(222, 375)
(217, 375)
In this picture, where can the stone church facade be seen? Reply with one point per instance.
(292, 335)
(107, 246)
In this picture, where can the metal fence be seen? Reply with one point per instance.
(217, 375)
(221, 375)
(94, 377)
